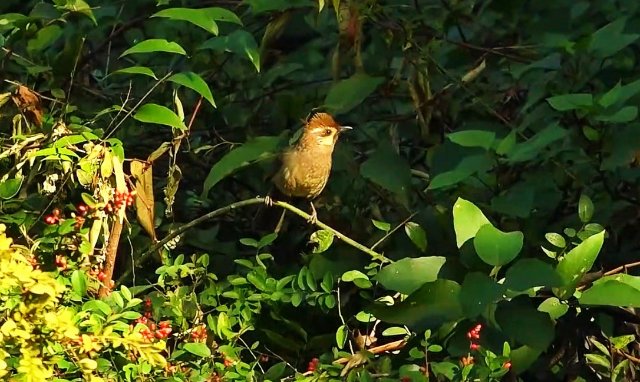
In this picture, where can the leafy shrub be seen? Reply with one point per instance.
(494, 159)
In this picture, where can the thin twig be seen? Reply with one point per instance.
(394, 230)
(137, 105)
(146, 254)
(391, 346)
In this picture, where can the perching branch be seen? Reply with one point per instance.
(146, 254)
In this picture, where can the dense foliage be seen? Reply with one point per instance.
(479, 223)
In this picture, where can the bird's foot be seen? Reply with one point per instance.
(268, 201)
(313, 218)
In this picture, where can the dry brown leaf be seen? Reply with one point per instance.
(29, 104)
(143, 173)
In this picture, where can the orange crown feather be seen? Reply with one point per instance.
(321, 119)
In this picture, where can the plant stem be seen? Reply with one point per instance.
(146, 254)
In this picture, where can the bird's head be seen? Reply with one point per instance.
(323, 130)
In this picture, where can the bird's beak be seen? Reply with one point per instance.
(345, 128)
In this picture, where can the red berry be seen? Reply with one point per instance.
(61, 262)
(101, 276)
(50, 219)
(474, 346)
(82, 209)
(507, 365)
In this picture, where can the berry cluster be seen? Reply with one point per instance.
(199, 334)
(474, 335)
(159, 331)
(61, 262)
(102, 277)
(313, 365)
(120, 199)
(54, 217)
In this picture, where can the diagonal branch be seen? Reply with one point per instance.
(147, 253)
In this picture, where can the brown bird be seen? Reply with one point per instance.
(306, 166)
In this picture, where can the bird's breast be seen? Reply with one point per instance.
(303, 174)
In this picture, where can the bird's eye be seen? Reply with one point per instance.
(327, 132)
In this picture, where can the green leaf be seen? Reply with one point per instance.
(529, 273)
(585, 208)
(10, 188)
(79, 282)
(495, 247)
(556, 239)
(417, 235)
(153, 113)
(351, 92)
(137, 70)
(577, 262)
(45, 37)
(395, 331)
(615, 290)
(275, 372)
(80, 6)
(467, 220)
(205, 18)
(506, 144)
(526, 325)
(155, 45)
(327, 283)
(609, 39)
(353, 275)
(468, 166)
(473, 138)
(261, 6)
(249, 242)
(621, 342)
(554, 307)
(388, 170)
(238, 158)
(516, 201)
(478, 291)
(323, 239)
(567, 102)
(267, 240)
(382, 226)
(532, 148)
(97, 306)
(430, 306)
(611, 97)
(198, 348)
(409, 274)
(624, 115)
(239, 42)
(598, 359)
(341, 336)
(195, 83)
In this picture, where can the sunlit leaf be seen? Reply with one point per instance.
(153, 46)
(195, 83)
(351, 92)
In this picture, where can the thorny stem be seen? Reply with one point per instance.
(144, 256)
